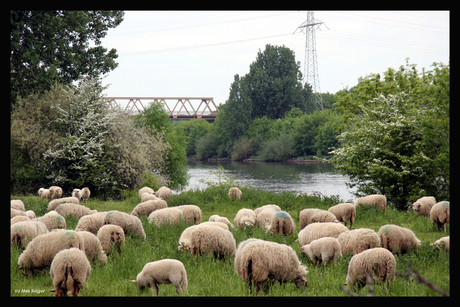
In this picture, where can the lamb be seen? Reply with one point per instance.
(147, 207)
(147, 196)
(210, 239)
(164, 216)
(422, 206)
(42, 249)
(444, 241)
(309, 216)
(319, 230)
(57, 191)
(264, 218)
(164, 193)
(76, 193)
(69, 270)
(185, 242)
(344, 212)
(85, 193)
(78, 210)
(45, 193)
(165, 271)
(93, 248)
(129, 223)
(53, 220)
(283, 223)
(191, 213)
(234, 193)
(54, 203)
(378, 262)
(146, 190)
(222, 219)
(397, 239)
(112, 237)
(323, 250)
(256, 260)
(379, 201)
(17, 204)
(440, 214)
(358, 240)
(91, 222)
(245, 217)
(260, 209)
(23, 232)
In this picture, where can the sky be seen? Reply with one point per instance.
(198, 53)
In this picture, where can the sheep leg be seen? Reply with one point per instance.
(155, 286)
(259, 285)
(77, 289)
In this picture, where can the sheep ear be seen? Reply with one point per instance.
(133, 280)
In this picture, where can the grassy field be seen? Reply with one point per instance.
(210, 277)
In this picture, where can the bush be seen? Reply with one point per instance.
(244, 148)
(206, 146)
(278, 149)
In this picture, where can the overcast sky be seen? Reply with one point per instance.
(197, 53)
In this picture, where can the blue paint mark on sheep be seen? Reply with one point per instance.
(281, 215)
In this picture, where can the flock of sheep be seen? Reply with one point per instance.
(47, 243)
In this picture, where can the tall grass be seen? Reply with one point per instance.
(210, 277)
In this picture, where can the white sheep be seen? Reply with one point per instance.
(53, 220)
(148, 206)
(379, 201)
(185, 242)
(256, 260)
(145, 190)
(222, 219)
(264, 218)
(245, 217)
(164, 193)
(397, 239)
(283, 223)
(440, 214)
(112, 237)
(319, 230)
(444, 241)
(56, 202)
(210, 239)
(45, 193)
(314, 215)
(77, 210)
(85, 193)
(192, 213)
(14, 212)
(377, 262)
(358, 240)
(23, 232)
(31, 214)
(260, 209)
(323, 250)
(422, 206)
(19, 218)
(76, 193)
(57, 191)
(69, 270)
(129, 223)
(147, 196)
(17, 204)
(165, 271)
(93, 248)
(234, 193)
(171, 216)
(344, 212)
(91, 222)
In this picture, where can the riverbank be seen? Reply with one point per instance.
(254, 160)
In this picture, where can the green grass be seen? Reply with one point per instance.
(210, 277)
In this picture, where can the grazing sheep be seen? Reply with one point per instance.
(171, 216)
(397, 239)
(309, 216)
(19, 218)
(147, 207)
(15, 212)
(264, 218)
(323, 250)
(23, 232)
(69, 270)
(42, 249)
(31, 214)
(112, 237)
(358, 240)
(17, 204)
(165, 271)
(146, 190)
(256, 260)
(93, 248)
(164, 193)
(57, 191)
(54, 203)
(76, 193)
(344, 212)
(53, 220)
(283, 223)
(379, 201)
(185, 242)
(91, 222)
(147, 196)
(191, 213)
(440, 214)
(260, 209)
(222, 219)
(234, 193)
(444, 241)
(85, 193)
(129, 223)
(377, 262)
(45, 193)
(77, 210)
(422, 206)
(319, 230)
(245, 217)
(211, 239)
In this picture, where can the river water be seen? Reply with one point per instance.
(276, 177)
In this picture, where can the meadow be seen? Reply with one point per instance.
(210, 277)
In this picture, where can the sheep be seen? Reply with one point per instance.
(19, 218)
(397, 239)
(234, 193)
(129, 223)
(164, 193)
(309, 216)
(77, 210)
(358, 240)
(69, 270)
(264, 218)
(85, 193)
(260, 209)
(91, 222)
(147, 196)
(344, 212)
(45, 193)
(222, 219)
(53, 220)
(23, 232)
(323, 249)
(93, 247)
(31, 214)
(42, 249)
(145, 190)
(112, 237)
(211, 239)
(17, 204)
(444, 241)
(56, 202)
(191, 213)
(165, 271)
(163, 216)
(379, 201)
(422, 206)
(440, 214)
(245, 217)
(76, 193)
(256, 260)
(319, 230)
(14, 212)
(185, 242)
(147, 207)
(377, 262)
(57, 191)
(283, 223)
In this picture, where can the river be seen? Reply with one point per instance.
(276, 177)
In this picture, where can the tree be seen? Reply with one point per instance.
(54, 46)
